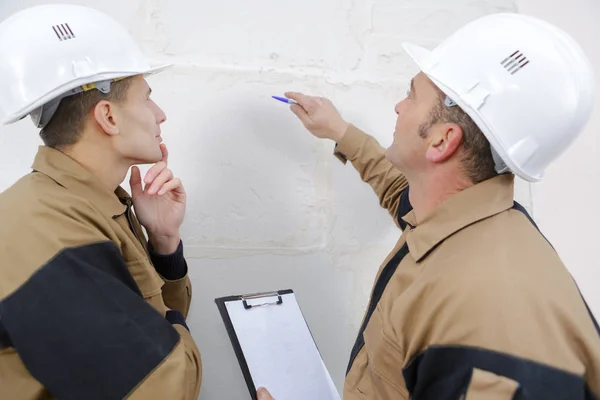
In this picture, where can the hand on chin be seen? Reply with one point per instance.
(159, 201)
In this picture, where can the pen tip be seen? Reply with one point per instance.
(285, 100)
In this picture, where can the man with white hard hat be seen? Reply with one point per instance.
(473, 302)
(90, 308)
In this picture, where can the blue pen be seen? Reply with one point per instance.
(285, 100)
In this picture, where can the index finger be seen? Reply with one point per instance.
(301, 98)
(165, 153)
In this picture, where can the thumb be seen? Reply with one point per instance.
(135, 181)
(263, 394)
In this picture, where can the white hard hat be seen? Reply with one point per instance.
(526, 84)
(48, 52)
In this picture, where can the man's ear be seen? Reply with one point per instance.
(105, 116)
(444, 142)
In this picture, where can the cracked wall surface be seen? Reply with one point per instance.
(269, 207)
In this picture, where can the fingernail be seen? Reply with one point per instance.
(262, 393)
(152, 190)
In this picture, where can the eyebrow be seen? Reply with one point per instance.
(412, 86)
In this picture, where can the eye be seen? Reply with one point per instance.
(408, 93)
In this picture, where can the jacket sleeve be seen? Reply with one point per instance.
(177, 290)
(81, 326)
(368, 158)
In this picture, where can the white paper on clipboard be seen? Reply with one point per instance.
(277, 346)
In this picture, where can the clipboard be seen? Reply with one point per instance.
(274, 346)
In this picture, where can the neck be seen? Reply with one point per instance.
(100, 161)
(427, 193)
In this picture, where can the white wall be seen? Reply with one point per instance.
(566, 202)
(270, 208)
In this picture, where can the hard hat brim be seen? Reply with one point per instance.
(156, 68)
(152, 70)
(417, 53)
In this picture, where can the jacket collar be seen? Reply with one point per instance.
(70, 174)
(476, 203)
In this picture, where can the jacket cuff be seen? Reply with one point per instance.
(175, 317)
(170, 266)
(352, 141)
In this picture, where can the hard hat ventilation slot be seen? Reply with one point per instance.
(63, 32)
(515, 62)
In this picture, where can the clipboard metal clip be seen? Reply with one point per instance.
(260, 296)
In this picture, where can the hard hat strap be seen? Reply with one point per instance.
(42, 115)
(448, 102)
(500, 165)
